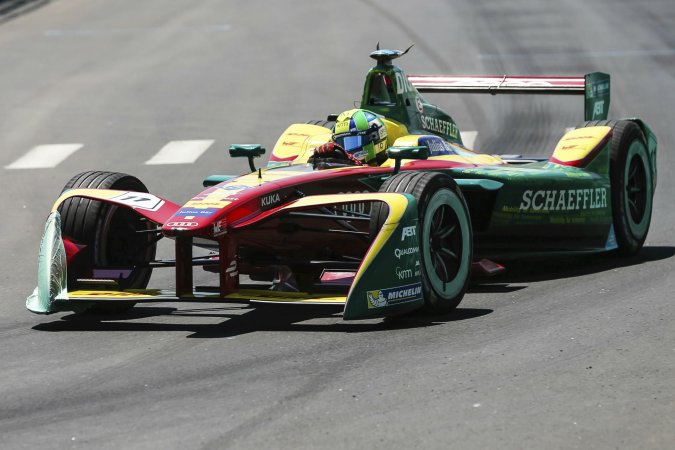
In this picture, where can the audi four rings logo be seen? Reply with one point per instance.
(182, 224)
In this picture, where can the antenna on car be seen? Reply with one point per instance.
(384, 57)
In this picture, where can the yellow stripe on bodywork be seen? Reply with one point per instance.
(298, 139)
(576, 144)
(96, 194)
(394, 130)
(255, 295)
(287, 297)
(122, 295)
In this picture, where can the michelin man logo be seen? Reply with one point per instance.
(376, 299)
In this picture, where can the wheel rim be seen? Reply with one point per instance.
(445, 244)
(637, 190)
(123, 246)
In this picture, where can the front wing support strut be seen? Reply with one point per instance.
(229, 269)
(184, 266)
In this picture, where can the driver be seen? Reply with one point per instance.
(359, 136)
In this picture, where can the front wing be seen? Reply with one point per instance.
(387, 281)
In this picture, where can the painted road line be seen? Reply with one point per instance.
(180, 152)
(45, 156)
(469, 138)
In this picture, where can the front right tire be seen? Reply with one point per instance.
(444, 234)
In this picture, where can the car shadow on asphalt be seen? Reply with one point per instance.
(554, 268)
(242, 320)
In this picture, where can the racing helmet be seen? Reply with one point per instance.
(362, 134)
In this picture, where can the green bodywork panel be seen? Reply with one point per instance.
(401, 101)
(596, 97)
(249, 151)
(544, 206)
(52, 276)
(478, 184)
(390, 283)
(398, 99)
(212, 180)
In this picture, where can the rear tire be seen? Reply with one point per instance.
(444, 233)
(632, 186)
(322, 123)
(109, 234)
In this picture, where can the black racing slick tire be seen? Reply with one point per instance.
(444, 233)
(632, 186)
(322, 123)
(113, 237)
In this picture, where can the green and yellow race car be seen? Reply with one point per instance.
(380, 210)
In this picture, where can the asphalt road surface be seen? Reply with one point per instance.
(565, 354)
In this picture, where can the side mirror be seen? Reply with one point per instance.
(399, 153)
(248, 150)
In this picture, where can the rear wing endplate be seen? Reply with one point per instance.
(593, 86)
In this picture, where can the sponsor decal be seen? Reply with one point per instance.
(209, 203)
(404, 274)
(420, 106)
(182, 224)
(219, 227)
(361, 154)
(270, 201)
(598, 88)
(399, 252)
(355, 209)
(234, 187)
(436, 145)
(564, 199)
(138, 200)
(232, 268)
(439, 126)
(394, 296)
(205, 212)
(408, 232)
(572, 138)
(598, 108)
(403, 84)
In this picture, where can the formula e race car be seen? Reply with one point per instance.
(377, 240)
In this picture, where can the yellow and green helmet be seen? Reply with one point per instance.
(362, 134)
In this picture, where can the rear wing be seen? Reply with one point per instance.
(593, 86)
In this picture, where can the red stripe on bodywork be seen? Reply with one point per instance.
(275, 158)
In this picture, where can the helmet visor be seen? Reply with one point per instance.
(350, 143)
(356, 139)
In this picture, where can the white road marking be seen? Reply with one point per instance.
(45, 156)
(469, 138)
(86, 32)
(180, 152)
